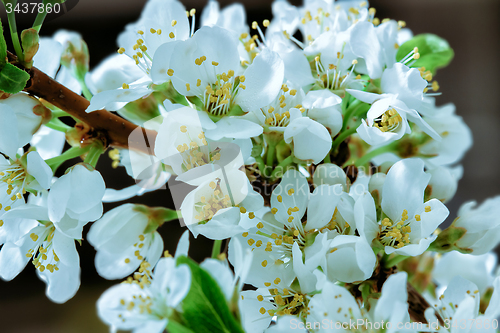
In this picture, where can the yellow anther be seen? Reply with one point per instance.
(34, 237)
(435, 86)
(280, 198)
(215, 63)
(260, 225)
(125, 86)
(188, 87)
(296, 233)
(251, 215)
(121, 50)
(245, 234)
(262, 310)
(192, 12)
(264, 263)
(174, 22)
(265, 23)
(153, 31)
(170, 72)
(427, 208)
(260, 298)
(171, 35)
(140, 32)
(291, 191)
(254, 25)
(243, 210)
(277, 281)
(293, 92)
(354, 62)
(274, 210)
(127, 260)
(158, 31)
(251, 241)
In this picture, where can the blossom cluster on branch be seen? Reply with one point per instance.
(310, 145)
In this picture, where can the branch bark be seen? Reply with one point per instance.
(117, 131)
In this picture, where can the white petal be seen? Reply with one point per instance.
(63, 284)
(236, 128)
(47, 59)
(293, 191)
(39, 169)
(107, 99)
(263, 80)
(404, 188)
(48, 142)
(311, 140)
(322, 205)
(9, 137)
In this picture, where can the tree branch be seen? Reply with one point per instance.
(116, 130)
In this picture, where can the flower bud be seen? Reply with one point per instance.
(29, 40)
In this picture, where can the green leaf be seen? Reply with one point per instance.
(205, 309)
(175, 327)
(13, 79)
(3, 48)
(435, 52)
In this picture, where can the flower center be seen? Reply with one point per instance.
(217, 96)
(277, 114)
(286, 300)
(396, 234)
(42, 254)
(207, 208)
(388, 121)
(337, 223)
(15, 177)
(329, 76)
(143, 303)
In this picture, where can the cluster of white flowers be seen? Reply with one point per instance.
(310, 145)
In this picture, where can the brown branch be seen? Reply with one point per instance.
(116, 130)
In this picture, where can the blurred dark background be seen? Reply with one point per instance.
(472, 82)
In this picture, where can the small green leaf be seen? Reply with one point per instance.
(435, 52)
(205, 309)
(13, 79)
